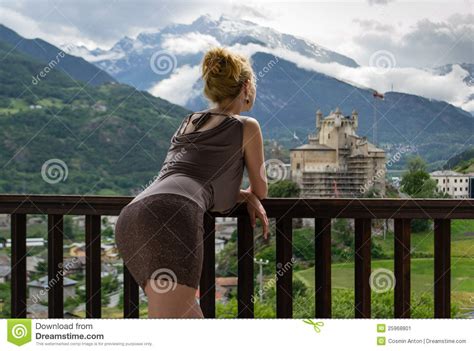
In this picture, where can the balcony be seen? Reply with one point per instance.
(442, 211)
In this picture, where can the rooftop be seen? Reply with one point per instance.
(226, 281)
(313, 147)
(43, 282)
(447, 173)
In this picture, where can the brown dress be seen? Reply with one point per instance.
(159, 233)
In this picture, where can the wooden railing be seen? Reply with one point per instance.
(442, 211)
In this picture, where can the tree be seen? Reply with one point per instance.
(42, 268)
(283, 188)
(286, 188)
(68, 227)
(372, 193)
(417, 183)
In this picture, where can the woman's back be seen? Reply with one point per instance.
(205, 161)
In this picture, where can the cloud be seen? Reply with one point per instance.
(179, 87)
(255, 11)
(426, 44)
(373, 25)
(190, 43)
(103, 23)
(450, 87)
(31, 28)
(95, 23)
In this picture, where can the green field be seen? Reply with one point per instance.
(462, 242)
(422, 273)
(422, 265)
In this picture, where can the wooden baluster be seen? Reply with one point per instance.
(362, 267)
(55, 266)
(402, 267)
(130, 295)
(93, 267)
(245, 268)
(284, 266)
(18, 265)
(207, 285)
(322, 243)
(442, 268)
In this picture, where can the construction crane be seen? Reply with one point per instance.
(376, 96)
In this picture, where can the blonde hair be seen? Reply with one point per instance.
(224, 74)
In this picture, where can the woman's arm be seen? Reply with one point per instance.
(254, 162)
(255, 210)
(244, 195)
(254, 158)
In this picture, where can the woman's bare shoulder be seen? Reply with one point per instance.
(248, 121)
(251, 127)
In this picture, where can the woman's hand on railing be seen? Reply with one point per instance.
(255, 210)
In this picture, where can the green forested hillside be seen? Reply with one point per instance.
(111, 139)
(75, 67)
(463, 162)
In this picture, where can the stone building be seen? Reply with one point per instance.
(337, 162)
(455, 184)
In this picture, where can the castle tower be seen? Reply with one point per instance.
(355, 118)
(319, 117)
(336, 161)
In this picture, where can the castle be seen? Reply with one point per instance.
(337, 162)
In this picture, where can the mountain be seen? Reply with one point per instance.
(462, 162)
(51, 56)
(129, 59)
(288, 94)
(289, 97)
(107, 139)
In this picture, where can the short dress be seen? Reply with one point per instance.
(159, 234)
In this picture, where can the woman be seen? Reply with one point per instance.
(159, 234)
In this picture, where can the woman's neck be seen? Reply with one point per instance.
(230, 107)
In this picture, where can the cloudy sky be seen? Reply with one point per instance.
(419, 34)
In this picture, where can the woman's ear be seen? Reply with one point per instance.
(246, 87)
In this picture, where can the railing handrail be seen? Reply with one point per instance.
(276, 207)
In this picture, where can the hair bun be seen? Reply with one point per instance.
(224, 72)
(220, 62)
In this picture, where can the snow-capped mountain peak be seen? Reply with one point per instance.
(224, 31)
